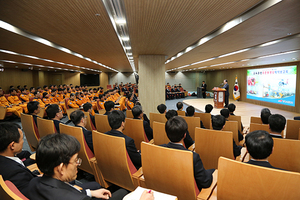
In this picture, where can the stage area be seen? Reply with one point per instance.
(243, 109)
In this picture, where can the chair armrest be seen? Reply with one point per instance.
(34, 167)
(151, 141)
(136, 177)
(206, 192)
(32, 156)
(192, 147)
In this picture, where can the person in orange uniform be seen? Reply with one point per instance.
(95, 94)
(67, 95)
(9, 108)
(32, 90)
(72, 103)
(46, 99)
(61, 98)
(23, 96)
(46, 89)
(130, 104)
(101, 102)
(14, 99)
(123, 101)
(37, 97)
(54, 100)
(101, 91)
(78, 99)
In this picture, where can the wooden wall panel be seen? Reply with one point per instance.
(73, 78)
(15, 77)
(104, 80)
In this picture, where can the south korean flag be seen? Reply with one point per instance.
(236, 90)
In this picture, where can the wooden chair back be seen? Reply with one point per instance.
(192, 122)
(233, 127)
(163, 173)
(45, 127)
(205, 118)
(113, 160)
(102, 124)
(156, 117)
(256, 120)
(41, 113)
(286, 154)
(299, 134)
(159, 134)
(30, 130)
(238, 119)
(9, 191)
(259, 182)
(89, 124)
(2, 112)
(264, 127)
(85, 153)
(70, 110)
(129, 114)
(292, 128)
(181, 112)
(134, 128)
(101, 112)
(211, 144)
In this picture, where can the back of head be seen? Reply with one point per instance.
(76, 116)
(8, 133)
(259, 144)
(55, 149)
(208, 108)
(109, 105)
(161, 108)
(224, 112)
(277, 123)
(175, 128)
(137, 111)
(115, 119)
(87, 106)
(190, 111)
(218, 122)
(32, 106)
(179, 105)
(264, 115)
(231, 107)
(52, 110)
(171, 113)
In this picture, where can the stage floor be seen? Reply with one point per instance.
(243, 109)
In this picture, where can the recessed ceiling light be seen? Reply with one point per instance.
(127, 48)
(120, 21)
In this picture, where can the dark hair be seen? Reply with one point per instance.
(171, 113)
(11, 90)
(161, 108)
(218, 121)
(45, 86)
(259, 144)
(52, 110)
(31, 88)
(55, 149)
(190, 111)
(8, 133)
(231, 107)
(208, 108)
(100, 96)
(72, 94)
(76, 116)
(54, 90)
(224, 112)
(87, 106)
(115, 119)
(264, 115)
(277, 123)
(44, 94)
(22, 89)
(225, 80)
(179, 105)
(32, 106)
(175, 128)
(108, 105)
(137, 111)
(35, 93)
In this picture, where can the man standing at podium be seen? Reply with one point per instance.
(226, 86)
(203, 89)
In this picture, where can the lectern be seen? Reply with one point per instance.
(219, 97)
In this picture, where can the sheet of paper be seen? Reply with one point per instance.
(136, 194)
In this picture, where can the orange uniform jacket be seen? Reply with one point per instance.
(24, 97)
(14, 109)
(16, 100)
(72, 104)
(42, 105)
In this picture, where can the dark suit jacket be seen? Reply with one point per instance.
(148, 130)
(226, 86)
(188, 141)
(203, 177)
(261, 163)
(88, 137)
(93, 119)
(134, 155)
(20, 176)
(49, 188)
(204, 87)
(56, 124)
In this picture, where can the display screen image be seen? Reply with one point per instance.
(274, 85)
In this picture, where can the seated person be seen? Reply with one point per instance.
(116, 120)
(231, 108)
(259, 145)
(144, 115)
(162, 108)
(208, 109)
(137, 113)
(264, 115)
(276, 124)
(88, 107)
(190, 112)
(176, 129)
(188, 141)
(79, 120)
(55, 113)
(109, 106)
(57, 158)
(34, 109)
(218, 123)
(72, 103)
(225, 113)
(179, 105)
(11, 167)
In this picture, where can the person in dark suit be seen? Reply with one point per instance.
(231, 108)
(137, 113)
(276, 124)
(34, 109)
(203, 86)
(259, 145)
(176, 129)
(225, 113)
(190, 112)
(79, 120)
(88, 107)
(116, 120)
(264, 115)
(55, 113)
(109, 106)
(226, 86)
(11, 167)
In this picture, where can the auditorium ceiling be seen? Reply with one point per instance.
(201, 35)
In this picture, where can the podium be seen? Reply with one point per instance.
(219, 97)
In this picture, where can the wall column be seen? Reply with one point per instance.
(151, 82)
(104, 80)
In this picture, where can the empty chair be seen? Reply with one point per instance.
(205, 118)
(237, 180)
(9, 191)
(101, 123)
(211, 144)
(45, 127)
(30, 130)
(114, 161)
(89, 124)
(292, 127)
(238, 119)
(256, 120)
(156, 117)
(233, 127)
(129, 114)
(192, 122)
(159, 134)
(181, 112)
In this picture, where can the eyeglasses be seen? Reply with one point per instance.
(78, 161)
